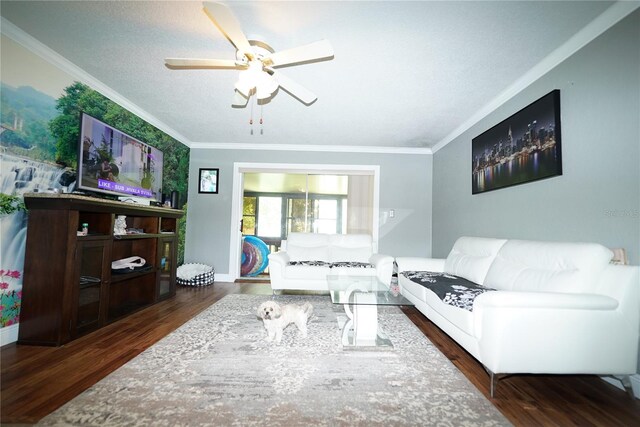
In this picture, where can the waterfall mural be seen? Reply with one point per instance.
(19, 176)
(39, 131)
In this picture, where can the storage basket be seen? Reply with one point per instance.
(195, 275)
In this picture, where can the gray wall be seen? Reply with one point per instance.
(597, 198)
(405, 186)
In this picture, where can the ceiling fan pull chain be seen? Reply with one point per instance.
(261, 121)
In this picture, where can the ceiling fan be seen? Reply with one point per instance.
(257, 61)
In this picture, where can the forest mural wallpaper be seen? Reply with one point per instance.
(40, 117)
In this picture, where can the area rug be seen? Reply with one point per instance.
(218, 370)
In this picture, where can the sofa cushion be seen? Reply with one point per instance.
(351, 271)
(350, 247)
(548, 266)
(413, 288)
(460, 318)
(308, 247)
(471, 257)
(453, 290)
(350, 240)
(340, 254)
(307, 253)
(307, 272)
(308, 239)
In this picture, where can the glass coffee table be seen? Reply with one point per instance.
(361, 296)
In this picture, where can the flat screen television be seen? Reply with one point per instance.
(112, 162)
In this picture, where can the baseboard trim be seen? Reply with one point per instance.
(635, 384)
(223, 278)
(9, 334)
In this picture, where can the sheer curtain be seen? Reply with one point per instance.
(360, 205)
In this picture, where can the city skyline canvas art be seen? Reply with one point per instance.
(524, 147)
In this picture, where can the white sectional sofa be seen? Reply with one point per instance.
(306, 259)
(555, 308)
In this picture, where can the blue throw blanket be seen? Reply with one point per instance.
(453, 290)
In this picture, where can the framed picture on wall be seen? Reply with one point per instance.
(522, 148)
(208, 182)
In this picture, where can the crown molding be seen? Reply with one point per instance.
(599, 25)
(306, 148)
(607, 19)
(19, 36)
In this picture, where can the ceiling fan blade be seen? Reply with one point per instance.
(203, 63)
(239, 101)
(313, 52)
(228, 25)
(294, 89)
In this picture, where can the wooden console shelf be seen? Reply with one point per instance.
(69, 288)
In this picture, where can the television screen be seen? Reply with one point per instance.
(112, 162)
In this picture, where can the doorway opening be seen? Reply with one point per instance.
(270, 201)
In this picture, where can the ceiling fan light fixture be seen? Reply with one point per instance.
(249, 78)
(266, 86)
(255, 78)
(263, 92)
(245, 88)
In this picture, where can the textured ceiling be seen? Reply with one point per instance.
(405, 74)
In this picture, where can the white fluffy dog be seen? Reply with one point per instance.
(277, 317)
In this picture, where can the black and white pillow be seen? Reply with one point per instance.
(310, 263)
(351, 264)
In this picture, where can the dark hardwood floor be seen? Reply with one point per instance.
(37, 380)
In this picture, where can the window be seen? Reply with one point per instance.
(296, 219)
(275, 215)
(269, 217)
(325, 216)
(249, 216)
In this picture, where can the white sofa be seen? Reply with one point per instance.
(306, 259)
(557, 308)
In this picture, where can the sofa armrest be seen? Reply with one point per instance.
(420, 264)
(545, 300)
(281, 258)
(278, 261)
(544, 332)
(384, 267)
(378, 260)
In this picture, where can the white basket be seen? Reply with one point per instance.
(195, 275)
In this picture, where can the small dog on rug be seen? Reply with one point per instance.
(277, 317)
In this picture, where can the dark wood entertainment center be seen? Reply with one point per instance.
(69, 288)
